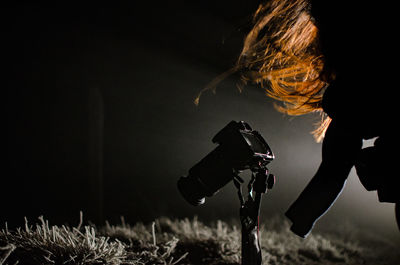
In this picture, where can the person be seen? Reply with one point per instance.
(335, 58)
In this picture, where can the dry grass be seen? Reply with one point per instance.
(167, 241)
(44, 244)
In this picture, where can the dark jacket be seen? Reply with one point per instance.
(362, 104)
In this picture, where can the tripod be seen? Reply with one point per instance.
(259, 183)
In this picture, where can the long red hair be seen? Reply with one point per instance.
(281, 53)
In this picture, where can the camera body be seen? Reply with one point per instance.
(239, 148)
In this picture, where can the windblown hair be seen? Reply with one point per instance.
(282, 54)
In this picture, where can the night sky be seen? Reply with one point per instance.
(100, 115)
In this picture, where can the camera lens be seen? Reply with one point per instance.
(190, 190)
(206, 177)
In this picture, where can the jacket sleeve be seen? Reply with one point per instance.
(339, 151)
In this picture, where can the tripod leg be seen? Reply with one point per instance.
(250, 186)
(251, 249)
(397, 212)
(238, 185)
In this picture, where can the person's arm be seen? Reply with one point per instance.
(339, 150)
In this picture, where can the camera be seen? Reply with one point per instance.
(239, 148)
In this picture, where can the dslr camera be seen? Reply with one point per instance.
(239, 148)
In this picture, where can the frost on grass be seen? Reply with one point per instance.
(182, 241)
(167, 241)
(44, 244)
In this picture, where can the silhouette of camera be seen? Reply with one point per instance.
(239, 148)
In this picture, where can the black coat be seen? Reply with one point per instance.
(358, 44)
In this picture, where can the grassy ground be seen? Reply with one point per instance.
(167, 241)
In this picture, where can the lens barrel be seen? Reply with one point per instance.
(206, 177)
(189, 189)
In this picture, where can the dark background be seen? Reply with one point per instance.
(100, 115)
